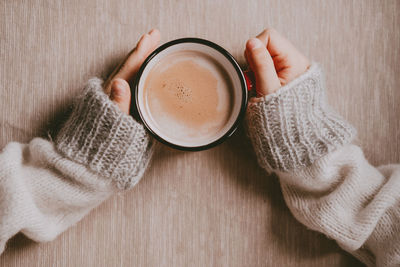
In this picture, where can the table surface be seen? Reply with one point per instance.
(210, 208)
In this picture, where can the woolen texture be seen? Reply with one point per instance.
(46, 187)
(327, 183)
(294, 126)
(103, 138)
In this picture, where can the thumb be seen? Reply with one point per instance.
(262, 65)
(121, 94)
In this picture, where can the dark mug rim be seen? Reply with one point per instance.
(238, 71)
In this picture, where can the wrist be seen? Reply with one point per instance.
(294, 126)
(100, 136)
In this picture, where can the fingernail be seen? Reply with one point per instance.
(254, 43)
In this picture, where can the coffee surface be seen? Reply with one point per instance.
(188, 96)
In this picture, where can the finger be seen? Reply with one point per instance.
(289, 62)
(131, 64)
(275, 43)
(156, 37)
(245, 56)
(147, 43)
(121, 94)
(262, 65)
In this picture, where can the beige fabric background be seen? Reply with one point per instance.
(211, 208)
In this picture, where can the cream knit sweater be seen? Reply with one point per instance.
(329, 186)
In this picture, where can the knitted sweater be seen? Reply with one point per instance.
(327, 183)
(45, 187)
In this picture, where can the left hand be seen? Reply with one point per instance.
(117, 85)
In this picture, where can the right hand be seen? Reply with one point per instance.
(274, 61)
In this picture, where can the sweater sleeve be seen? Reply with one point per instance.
(326, 181)
(45, 187)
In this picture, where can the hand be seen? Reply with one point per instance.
(274, 61)
(117, 85)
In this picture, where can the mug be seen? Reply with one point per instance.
(239, 91)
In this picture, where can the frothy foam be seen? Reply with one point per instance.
(187, 94)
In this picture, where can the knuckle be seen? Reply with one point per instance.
(118, 82)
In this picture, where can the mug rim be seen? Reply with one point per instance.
(239, 72)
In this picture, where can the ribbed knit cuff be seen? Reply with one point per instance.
(103, 138)
(293, 127)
